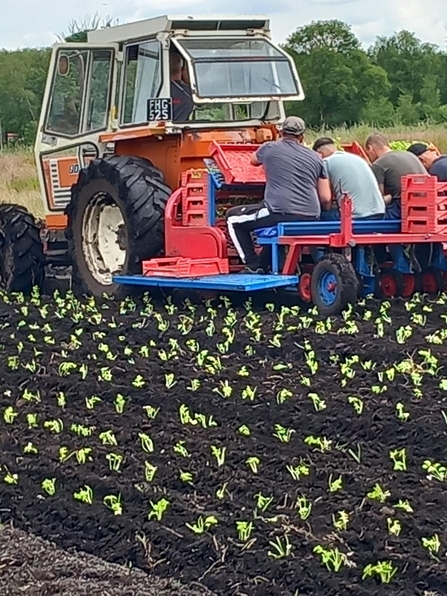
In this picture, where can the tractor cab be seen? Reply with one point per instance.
(234, 71)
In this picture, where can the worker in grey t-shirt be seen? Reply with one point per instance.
(389, 166)
(296, 189)
(351, 175)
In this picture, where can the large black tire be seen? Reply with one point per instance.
(22, 259)
(336, 268)
(137, 188)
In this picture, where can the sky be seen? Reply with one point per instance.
(37, 23)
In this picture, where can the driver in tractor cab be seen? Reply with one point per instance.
(182, 103)
(297, 188)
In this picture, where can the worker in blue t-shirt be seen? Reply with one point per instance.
(436, 165)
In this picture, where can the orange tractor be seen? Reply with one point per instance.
(117, 161)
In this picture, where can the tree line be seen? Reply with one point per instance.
(397, 80)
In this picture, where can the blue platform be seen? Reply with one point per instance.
(236, 282)
(316, 228)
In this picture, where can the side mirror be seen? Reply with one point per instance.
(63, 65)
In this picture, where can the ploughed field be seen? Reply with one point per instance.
(254, 452)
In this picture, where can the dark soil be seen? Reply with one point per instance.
(272, 354)
(31, 566)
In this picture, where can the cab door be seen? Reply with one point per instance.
(79, 104)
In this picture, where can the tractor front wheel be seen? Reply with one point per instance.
(334, 284)
(22, 259)
(115, 221)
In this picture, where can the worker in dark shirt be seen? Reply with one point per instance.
(389, 166)
(297, 188)
(436, 164)
(182, 103)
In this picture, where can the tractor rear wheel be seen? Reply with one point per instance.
(22, 259)
(115, 221)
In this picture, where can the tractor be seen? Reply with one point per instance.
(136, 189)
(112, 156)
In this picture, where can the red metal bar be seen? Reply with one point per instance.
(291, 262)
(346, 221)
(333, 240)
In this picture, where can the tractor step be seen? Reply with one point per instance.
(237, 282)
(182, 267)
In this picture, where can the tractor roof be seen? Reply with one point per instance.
(203, 23)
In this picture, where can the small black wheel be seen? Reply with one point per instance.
(334, 284)
(115, 221)
(22, 259)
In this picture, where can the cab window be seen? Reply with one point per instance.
(143, 80)
(80, 97)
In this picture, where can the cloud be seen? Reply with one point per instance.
(39, 23)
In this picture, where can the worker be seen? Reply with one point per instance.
(297, 188)
(181, 94)
(389, 166)
(350, 175)
(435, 164)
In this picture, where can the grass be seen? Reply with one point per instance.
(436, 134)
(19, 183)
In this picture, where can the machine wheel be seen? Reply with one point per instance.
(391, 284)
(410, 284)
(334, 284)
(432, 281)
(304, 287)
(115, 221)
(22, 260)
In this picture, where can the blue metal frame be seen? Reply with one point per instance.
(438, 259)
(364, 269)
(215, 182)
(229, 282)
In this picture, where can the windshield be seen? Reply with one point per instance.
(242, 68)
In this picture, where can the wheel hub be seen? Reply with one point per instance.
(328, 287)
(104, 238)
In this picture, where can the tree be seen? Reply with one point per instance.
(407, 61)
(407, 111)
(337, 75)
(77, 31)
(378, 112)
(430, 98)
(333, 35)
(22, 83)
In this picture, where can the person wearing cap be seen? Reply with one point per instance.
(351, 175)
(388, 167)
(297, 189)
(436, 165)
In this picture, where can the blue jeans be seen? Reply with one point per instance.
(334, 215)
(393, 210)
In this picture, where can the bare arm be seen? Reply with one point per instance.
(324, 193)
(254, 160)
(380, 177)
